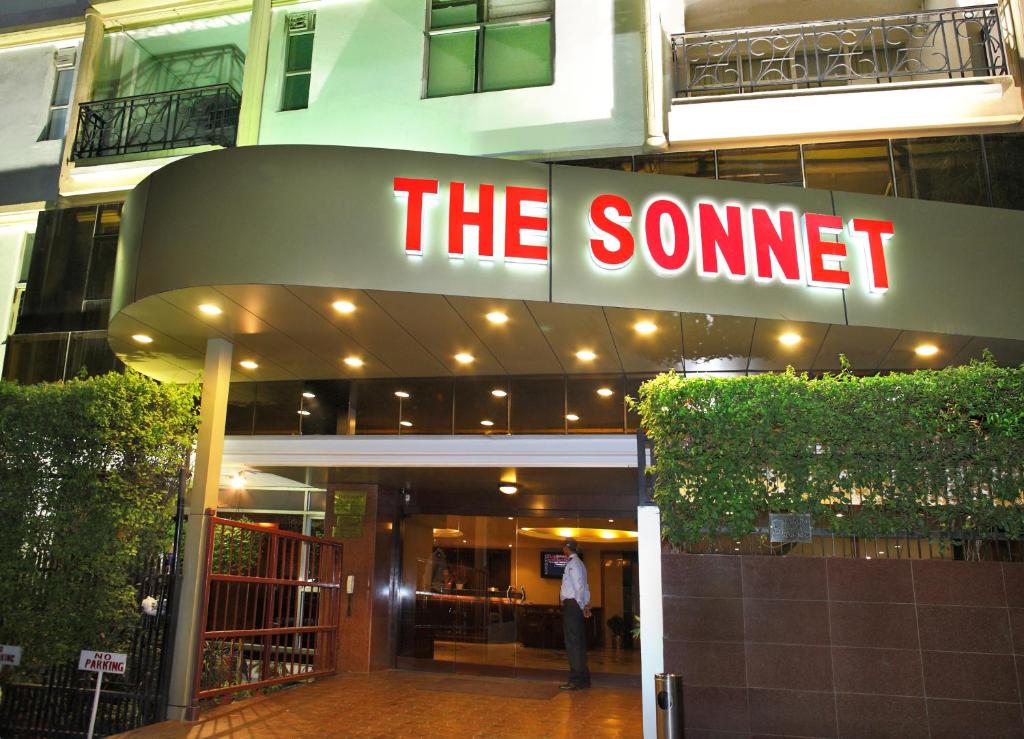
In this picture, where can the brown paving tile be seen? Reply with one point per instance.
(792, 667)
(792, 712)
(720, 709)
(891, 625)
(870, 581)
(881, 717)
(787, 621)
(959, 583)
(981, 677)
(1017, 629)
(707, 663)
(1013, 579)
(964, 629)
(703, 619)
(700, 575)
(800, 578)
(974, 719)
(882, 671)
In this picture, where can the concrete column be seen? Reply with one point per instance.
(653, 77)
(205, 482)
(254, 76)
(652, 635)
(88, 66)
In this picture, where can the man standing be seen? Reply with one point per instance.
(575, 597)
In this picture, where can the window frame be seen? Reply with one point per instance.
(289, 35)
(60, 65)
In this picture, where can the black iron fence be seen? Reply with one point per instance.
(158, 122)
(928, 45)
(57, 702)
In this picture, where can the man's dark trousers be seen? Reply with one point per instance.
(575, 643)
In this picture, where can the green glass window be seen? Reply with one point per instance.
(298, 65)
(856, 166)
(451, 68)
(517, 56)
(300, 53)
(448, 13)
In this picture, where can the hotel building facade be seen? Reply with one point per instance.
(422, 251)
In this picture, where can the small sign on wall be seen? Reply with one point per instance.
(349, 508)
(10, 655)
(790, 528)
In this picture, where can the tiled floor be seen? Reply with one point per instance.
(398, 704)
(622, 661)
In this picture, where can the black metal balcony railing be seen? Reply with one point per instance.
(158, 122)
(941, 44)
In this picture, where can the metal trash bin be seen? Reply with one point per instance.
(668, 692)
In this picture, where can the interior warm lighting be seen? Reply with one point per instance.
(789, 338)
(510, 518)
(571, 417)
(308, 394)
(248, 364)
(303, 413)
(566, 532)
(498, 393)
(605, 392)
(591, 535)
(508, 490)
(210, 310)
(142, 339)
(586, 355)
(644, 327)
(607, 534)
(237, 481)
(401, 394)
(343, 306)
(926, 350)
(447, 533)
(407, 424)
(611, 520)
(354, 361)
(486, 422)
(463, 358)
(497, 317)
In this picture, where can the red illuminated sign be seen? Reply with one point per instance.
(732, 239)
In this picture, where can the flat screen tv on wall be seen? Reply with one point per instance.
(552, 564)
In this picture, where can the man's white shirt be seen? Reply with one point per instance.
(574, 582)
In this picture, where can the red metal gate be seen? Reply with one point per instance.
(272, 606)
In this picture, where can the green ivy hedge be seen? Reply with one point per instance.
(917, 453)
(87, 481)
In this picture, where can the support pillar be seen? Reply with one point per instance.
(254, 76)
(205, 484)
(652, 635)
(85, 79)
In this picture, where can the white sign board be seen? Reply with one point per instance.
(10, 656)
(102, 661)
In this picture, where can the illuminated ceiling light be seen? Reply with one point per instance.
(354, 361)
(497, 317)
(571, 417)
(486, 422)
(926, 350)
(248, 364)
(343, 306)
(585, 355)
(508, 490)
(583, 534)
(644, 327)
(611, 520)
(407, 424)
(237, 481)
(303, 413)
(401, 394)
(210, 310)
(463, 358)
(498, 393)
(447, 533)
(308, 394)
(142, 339)
(605, 392)
(607, 535)
(789, 339)
(566, 532)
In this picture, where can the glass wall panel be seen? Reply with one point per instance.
(622, 164)
(30, 359)
(481, 406)
(1005, 156)
(773, 165)
(404, 406)
(633, 391)
(947, 169)
(683, 164)
(451, 64)
(90, 353)
(325, 405)
(594, 405)
(241, 408)
(538, 405)
(517, 56)
(859, 166)
(277, 408)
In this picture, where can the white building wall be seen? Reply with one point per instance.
(12, 248)
(368, 81)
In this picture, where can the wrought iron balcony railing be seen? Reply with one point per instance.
(157, 122)
(929, 45)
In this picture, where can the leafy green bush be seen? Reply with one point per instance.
(915, 452)
(88, 474)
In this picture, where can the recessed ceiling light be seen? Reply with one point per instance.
(308, 394)
(926, 350)
(303, 413)
(353, 361)
(571, 417)
(248, 364)
(789, 338)
(407, 424)
(585, 355)
(498, 393)
(401, 394)
(611, 520)
(510, 518)
(463, 358)
(343, 306)
(210, 310)
(508, 489)
(566, 532)
(645, 327)
(605, 392)
(142, 339)
(237, 481)
(486, 422)
(497, 317)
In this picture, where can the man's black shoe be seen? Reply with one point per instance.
(569, 686)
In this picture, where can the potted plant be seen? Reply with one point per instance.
(619, 627)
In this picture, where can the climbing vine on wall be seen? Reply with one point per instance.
(917, 453)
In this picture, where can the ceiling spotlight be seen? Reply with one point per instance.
(142, 339)
(926, 350)
(407, 424)
(644, 327)
(210, 310)
(308, 394)
(605, 392)
(497, 317)
(510, 518)
(463, 358)
(571, 417)
(343, 306)
(486, 422)
(237, 481)
(401, 394)
(566, 532)
(789, 339)
(303, 413)
(248, 364)
(585, 355)
(508, 489)
(611, 520)
(498, 393)
(353, 361)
